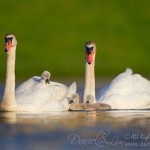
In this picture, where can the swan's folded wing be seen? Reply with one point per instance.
(27, 85)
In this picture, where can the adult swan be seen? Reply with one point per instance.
(36, 94)
(126, 91)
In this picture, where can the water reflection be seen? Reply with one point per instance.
(56, 130)
(78, 118)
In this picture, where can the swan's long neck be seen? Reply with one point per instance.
(9, 102)
(89, 85)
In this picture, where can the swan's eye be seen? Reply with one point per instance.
(8, 39)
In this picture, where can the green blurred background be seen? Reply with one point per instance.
(51, 36)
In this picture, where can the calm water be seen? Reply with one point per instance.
(75, 130)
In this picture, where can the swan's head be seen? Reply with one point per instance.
(10, 42)
(90, 99)
(90, 51)
(74, 98)
(46, 76)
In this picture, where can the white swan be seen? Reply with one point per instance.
(36, 94)
(126, 91)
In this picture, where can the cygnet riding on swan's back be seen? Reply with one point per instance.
(36, 94)
(126, 91)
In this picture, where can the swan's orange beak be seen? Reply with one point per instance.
(89, 54)
(89, 58)
(8, 45)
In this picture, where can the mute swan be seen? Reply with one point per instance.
(37, 93)
(126, 91)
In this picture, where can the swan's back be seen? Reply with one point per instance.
(127, 91)
(32, 95)
(28, 85)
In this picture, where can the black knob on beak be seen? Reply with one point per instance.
(89, 49)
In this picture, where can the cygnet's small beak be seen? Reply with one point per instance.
(47, 81)
(87, 102)
(71, 101)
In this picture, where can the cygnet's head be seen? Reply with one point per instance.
(90, 99)
(90, 51)
(74, 98)
(10, 42)
(46, 76)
